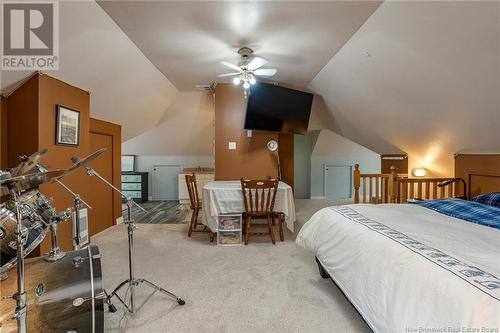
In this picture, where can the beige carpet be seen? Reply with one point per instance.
(254, 288)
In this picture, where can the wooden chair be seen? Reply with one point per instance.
(195, 204)
(258, 198)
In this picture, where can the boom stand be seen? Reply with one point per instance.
(132, 281)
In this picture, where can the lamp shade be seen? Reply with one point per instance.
(419, 172)
(272, 145)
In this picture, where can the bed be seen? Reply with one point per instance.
(425, 266)
(406, 267)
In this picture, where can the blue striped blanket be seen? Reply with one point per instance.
(466, 210)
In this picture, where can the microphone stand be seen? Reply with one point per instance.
(132, 281)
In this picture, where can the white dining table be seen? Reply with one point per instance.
(225, 197)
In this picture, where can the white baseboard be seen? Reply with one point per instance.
(318, 198)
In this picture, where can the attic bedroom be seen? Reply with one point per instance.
(250, 166)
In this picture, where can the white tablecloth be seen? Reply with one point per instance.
(223, 197)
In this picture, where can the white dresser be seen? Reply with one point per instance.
(201, 179)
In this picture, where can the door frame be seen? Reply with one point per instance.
(153, 185)
(351, 186)
(102, 127)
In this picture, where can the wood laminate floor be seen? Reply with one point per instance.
(160, 212)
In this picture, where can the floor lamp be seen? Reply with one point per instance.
(273, 146)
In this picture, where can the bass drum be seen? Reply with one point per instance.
(62, 296)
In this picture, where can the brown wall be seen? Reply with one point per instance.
(286, 149)
(402, 165)
(3, 132)
(251, 159)
(481, 172)
(51, 93)
(32, 126)
(22, 121)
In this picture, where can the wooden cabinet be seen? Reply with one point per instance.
(201, 180)
(135, 185)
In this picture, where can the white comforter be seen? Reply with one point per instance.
(407, 268)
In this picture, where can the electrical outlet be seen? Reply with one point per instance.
(232, 145)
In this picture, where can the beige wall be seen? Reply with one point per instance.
(186, 128)
(330, 143)
(422, 78)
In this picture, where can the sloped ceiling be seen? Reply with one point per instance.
(421, 78)
(96, 55)
(187, 40)
(186, 128)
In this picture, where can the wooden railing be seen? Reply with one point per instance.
(397, 188)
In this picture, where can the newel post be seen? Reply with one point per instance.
(393, 186)
(357, 181)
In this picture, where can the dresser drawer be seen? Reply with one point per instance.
(133, 194)
(131, 186)
(131, 178)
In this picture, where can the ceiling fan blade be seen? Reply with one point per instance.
(230, 65)
(265, 72)
(228, 74)
(255, 63)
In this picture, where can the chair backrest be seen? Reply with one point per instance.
(259, 195)
(192, 190)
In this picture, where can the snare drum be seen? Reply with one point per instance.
(62, 296)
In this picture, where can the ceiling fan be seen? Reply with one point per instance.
(248, 69)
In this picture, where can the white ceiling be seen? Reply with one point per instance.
(187, 40)
(422, 78)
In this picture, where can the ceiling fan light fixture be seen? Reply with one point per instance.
(247, 69)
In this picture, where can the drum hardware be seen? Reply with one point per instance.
(55, 252)
(77, 200)
(132, 281)
(20, 296)
(77, 261)
(40, 290)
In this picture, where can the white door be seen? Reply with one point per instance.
(338, 181)
(166, 182)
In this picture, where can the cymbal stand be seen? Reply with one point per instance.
(77, 201)
(132, 281)
(20, 296)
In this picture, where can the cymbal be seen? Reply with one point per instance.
(28, 163)
(33, 179)
(88, 159)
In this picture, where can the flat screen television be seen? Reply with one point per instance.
(278, 109)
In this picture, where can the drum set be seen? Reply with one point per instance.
(65, 291)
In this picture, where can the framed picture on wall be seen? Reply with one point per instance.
(67, 126)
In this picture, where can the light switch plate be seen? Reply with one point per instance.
(232, 145)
